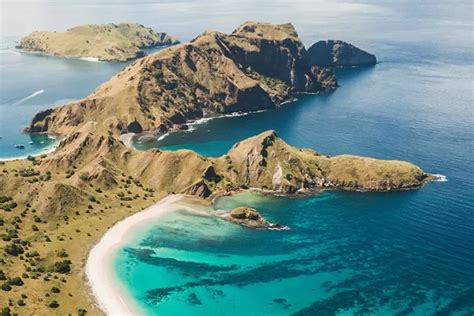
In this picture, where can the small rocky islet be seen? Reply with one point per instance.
(251, 218)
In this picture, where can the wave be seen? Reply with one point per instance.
(91, 59)
(278, 227)
(440, 178)
(163, 136)
(34, 94)
(192, 124)
(234, 114)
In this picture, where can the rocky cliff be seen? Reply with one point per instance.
(108, 42)
(267, 162)
(338, 54)
(256, 67)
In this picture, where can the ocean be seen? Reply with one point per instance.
(409, 252)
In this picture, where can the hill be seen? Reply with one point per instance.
(107, 42)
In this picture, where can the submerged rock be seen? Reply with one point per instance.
(338, 53)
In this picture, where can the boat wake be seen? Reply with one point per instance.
(440, 178)
(34, 94)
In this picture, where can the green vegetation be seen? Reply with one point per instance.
(14, 249)
(62, 266)
(28, 172)
(53, 304)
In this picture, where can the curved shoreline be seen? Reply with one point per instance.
(110, 295)
(45, 152)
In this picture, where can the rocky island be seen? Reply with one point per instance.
(92, 180)
(339, 54)
(106, 42)
(249, 217)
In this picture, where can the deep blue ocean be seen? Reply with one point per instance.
(406, 253)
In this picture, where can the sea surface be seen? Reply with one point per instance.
(407, 253)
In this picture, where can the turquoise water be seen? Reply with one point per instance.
(346, 253)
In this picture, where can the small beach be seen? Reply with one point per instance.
(111, 296)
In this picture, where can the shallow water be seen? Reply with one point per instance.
(402, 252)
(345, 253)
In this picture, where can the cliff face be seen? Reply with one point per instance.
(256, 67)
(338, 53)
(105, 41)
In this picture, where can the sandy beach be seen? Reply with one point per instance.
(110, 295)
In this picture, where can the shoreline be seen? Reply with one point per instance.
(111, 296)
(45, 152)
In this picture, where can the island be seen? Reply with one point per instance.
(339, 54)
(249, 217)
(104, 42)
(56, 206)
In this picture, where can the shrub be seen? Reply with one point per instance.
(17, 281)
(6, 311)
(14, 249)
(28, 173)
(9, 206)
(55, 290)
(62, 254)
(2, 275)
(4, 198)
(81, 312)
(6, 287)
(62, 266)
(53, 304)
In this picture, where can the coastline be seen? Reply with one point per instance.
(129, 138)
(109, 294)
(46, 151)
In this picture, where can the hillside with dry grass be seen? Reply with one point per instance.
(107, 42)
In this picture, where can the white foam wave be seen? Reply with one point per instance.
(91, 59)
(234, 114)
(440, 178)
(28, 97)
(279, 228)
(163, 136)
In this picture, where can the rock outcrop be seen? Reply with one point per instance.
(256, 67)
(108, 42)
(338, 54)
(249, 217)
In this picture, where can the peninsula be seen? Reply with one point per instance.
(56, 206)
(106, 42)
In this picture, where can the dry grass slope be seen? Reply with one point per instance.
(108, 42)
